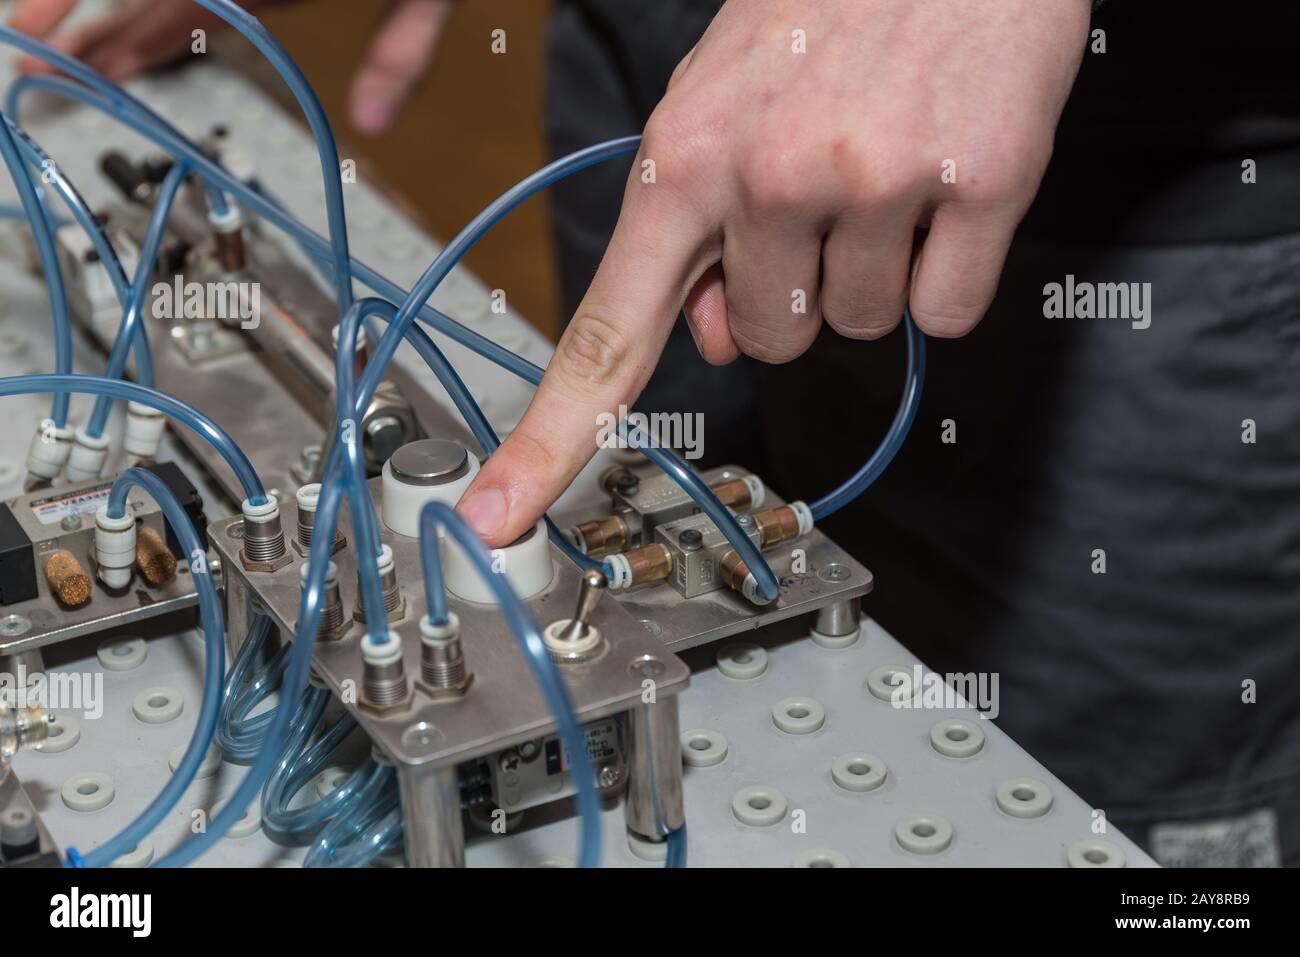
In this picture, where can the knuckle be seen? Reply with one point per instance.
(1002, 171)
(594, 350)
(674, 139)
(530, 454)
(774, 179)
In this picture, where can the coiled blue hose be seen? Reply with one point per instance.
(295, 679)
(301, 760)
(249, 683)
(366, 844)
(376, 798)
(214, 666)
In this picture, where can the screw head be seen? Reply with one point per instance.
(610, 775)
(627, 484)
(834, 573)
(509, 762)
(70, 523)
(690, 539)
(745, 521)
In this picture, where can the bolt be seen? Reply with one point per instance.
(746, 522)
(690, 539)
(385, 434)
(71, 523)
(610, 775)
(627, 484)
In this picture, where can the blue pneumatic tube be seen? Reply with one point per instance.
(214, 668)
(187, 415)
(436, 515)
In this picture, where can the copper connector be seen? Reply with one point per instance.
(602, 536)
(733, 493)
(230, 250)
(776, 525)
(68, 580)
(733, 570)
(153, 557)
(652, 563)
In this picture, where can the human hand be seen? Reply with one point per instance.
(138, 35)
(776, 189)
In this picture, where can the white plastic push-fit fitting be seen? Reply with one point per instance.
(144, 430)
(49, 451)
(87, 457)
(114, 547)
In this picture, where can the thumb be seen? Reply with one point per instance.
(603, 360)
(398, 56)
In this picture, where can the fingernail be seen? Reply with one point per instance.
(485, 511)
(373, 115)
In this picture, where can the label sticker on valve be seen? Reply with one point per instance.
(86, 501)
(602, 746)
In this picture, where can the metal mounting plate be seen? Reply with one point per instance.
(504, 707)
(28, 625)
(829, 575)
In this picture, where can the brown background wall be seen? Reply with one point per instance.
(472, 128)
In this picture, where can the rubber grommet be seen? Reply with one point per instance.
(892, 684)
(139, 856)
(859, 771)
(656, 852)
(798, 715)
(248, 824)
(759, 806)
(62, 732)
(1023, 798)
(1094, 852)
(742, 660)
(207, 767)
(702, 748)
(821, 857)
(89, 791)
(957, 738)
(122, 654)
(924, 834)
(158, 705)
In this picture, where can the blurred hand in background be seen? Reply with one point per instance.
(138, 35)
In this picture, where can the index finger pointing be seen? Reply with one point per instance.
(603, 360)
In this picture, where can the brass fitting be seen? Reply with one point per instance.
(651, 563)
(602, 536)
(734, 493)
(776, 525)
